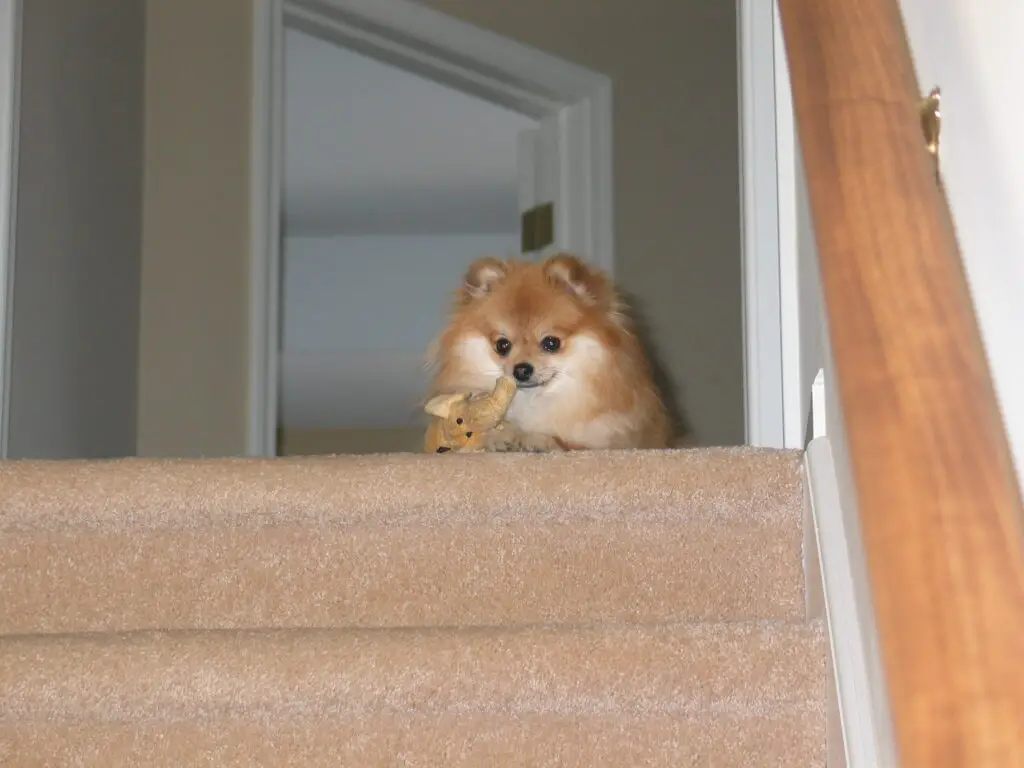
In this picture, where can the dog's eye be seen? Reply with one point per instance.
(469, 434)
(503, 346)
(458, 420)
(551, 343)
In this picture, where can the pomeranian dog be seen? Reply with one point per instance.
(560, 329)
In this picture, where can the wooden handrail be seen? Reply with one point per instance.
(939, 502)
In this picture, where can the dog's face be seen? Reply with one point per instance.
(558, 330)
(546, 325)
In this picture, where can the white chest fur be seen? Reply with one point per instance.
(559, 412)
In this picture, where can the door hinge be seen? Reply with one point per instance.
(538, 227)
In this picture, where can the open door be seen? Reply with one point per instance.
(540, 188)
(558, 189)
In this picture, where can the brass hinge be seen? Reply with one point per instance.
(931, 123)
(538, 227)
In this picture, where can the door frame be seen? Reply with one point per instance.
(460, 55)
(771, 322)
(10, 96)
(767, 149)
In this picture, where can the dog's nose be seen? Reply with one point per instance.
(522, 371)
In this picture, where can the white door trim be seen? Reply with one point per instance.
(10, 94)
(266, 179)
(791, 303)
(768, 221)
(457, 54)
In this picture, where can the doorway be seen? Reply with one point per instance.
(361, 240)
(212, 185)
(392, 185)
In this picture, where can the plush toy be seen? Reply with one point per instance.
(462, 422)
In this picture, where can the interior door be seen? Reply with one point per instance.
(540, 188)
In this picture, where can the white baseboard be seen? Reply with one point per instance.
(857, 735)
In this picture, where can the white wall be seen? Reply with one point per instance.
(973, 51)
(194, 346)
(358, 315)
(374, 149)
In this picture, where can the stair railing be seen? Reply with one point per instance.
(939, 505)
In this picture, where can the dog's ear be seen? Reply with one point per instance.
(578, 278)
(441, 405)
(482, 276)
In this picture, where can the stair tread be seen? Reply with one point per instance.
(729, 485)
(729, 669)
(602, 608)
(401, 540)
(784, 741)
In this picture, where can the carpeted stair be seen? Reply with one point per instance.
(588, 609)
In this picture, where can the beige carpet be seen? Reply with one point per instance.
(590, 609)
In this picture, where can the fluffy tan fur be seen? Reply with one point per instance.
(591, 388)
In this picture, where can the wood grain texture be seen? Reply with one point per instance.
(939, 502)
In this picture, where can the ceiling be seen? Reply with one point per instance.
(373, 149)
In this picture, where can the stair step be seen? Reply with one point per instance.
(723, 694)
(401, 540)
